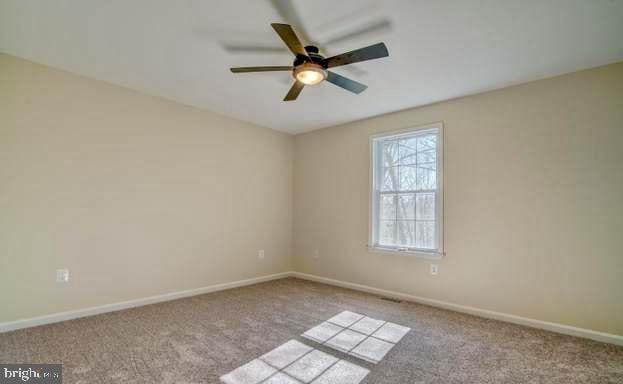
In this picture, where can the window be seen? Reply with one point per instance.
(407, 197)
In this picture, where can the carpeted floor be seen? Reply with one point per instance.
(198, 339)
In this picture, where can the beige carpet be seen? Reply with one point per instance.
(198, 339)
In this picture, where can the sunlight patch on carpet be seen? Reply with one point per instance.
(295, 363)
(358, 335)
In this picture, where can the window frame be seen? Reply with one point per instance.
(373, 244)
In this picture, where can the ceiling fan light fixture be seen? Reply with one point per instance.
(310, 73)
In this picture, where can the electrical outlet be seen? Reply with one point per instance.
(260, 254)
(316, 253)
(62, 275)
(434, 269)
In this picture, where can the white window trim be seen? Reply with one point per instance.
(439, 199)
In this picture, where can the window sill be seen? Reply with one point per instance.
(429, 255)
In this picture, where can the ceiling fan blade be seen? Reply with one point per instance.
(352, 69)
(374, 28)
(289, 37)
(372, 52)
(288, 14)
(245, 48)
(293, 93)
(260, 69)
(346, 83)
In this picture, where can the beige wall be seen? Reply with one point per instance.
(136, 195)
(139, 196)
(533, 202)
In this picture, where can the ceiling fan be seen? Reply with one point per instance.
(289, 14)
(310, 68)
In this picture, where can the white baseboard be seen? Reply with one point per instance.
(549, 326)
(546, 325)
(62, 316)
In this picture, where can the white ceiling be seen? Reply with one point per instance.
(439, 49)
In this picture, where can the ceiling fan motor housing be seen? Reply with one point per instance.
(311, 49)
(312, 54)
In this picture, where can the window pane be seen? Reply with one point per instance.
(408, 177)
(427, 156)
(425, 206)
(388, 207)
(426, 176)
(426, 142)
(387, 230)
(406, 206)
(406, 233)
(425, 234)
(407, 151)
(390, 153)
(390, 179)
